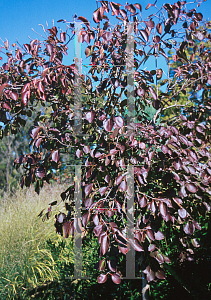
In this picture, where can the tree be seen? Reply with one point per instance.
(135, 170)
(15, 143)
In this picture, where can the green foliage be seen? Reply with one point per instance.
(25, 260)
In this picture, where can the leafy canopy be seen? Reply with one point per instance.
(168, 162)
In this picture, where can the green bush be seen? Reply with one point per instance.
(25, 261)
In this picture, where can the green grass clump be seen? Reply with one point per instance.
(25, 259)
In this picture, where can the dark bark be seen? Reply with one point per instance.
(145, 287)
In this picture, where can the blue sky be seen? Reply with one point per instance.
(18, 17)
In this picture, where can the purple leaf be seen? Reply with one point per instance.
(123, 186)
(142, 145)
(25, 97)
(177, 165)
(123, 13)
(150, 234)
(150, 24)
(144, 34)
(164, 149)
(148, 6)
(55, 156)
(159, 257)
(183, 139)
(114, 8)
(153, 206)
(105, 5)
(196, 224)
(6, 105)
(183, 117)
(167, 260)
(192, 170)
(38, 142)
(14, 96)
(61, 217)
(200, 129)
(110, 213)
(113, 151)
(112, 265)
(107, 161)
(108, 125)
(79, 153)
(140, 92)
(207, 206)
(85, 218)
(90, 116)
(41, 87)
(107, 36)
(131, 8)
(163, 208)
(67, 229)
(88, 202)
(63, 36)
(142, 200)
(151, 247)
(178, 201)
(160, 274)
(84, 20)
(150, 276)
(153, 93)
(159, 235)
(189, 228)
(40, 172)
(182, 213)
(102, 190)
(119, 179)
(88, 189)
(116, 278)
(49, 48)
(98, 229)
(159, 28)
(182, 193)
(195, 243)
(88, 51)
(122, 249)
(107, 178)
(97, 16)
(119, 208)
(119, 121)
(200, 36)
(138, 6)
(156, 104)
(98, 154)
(176, 176)
(96, 219)
(137, 246)
(34, 132)
(86, 149)
(104, 244)
(2, 87)
(191, 188)
(102, 278)
(174, 129)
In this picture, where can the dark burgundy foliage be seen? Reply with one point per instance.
(171, 158)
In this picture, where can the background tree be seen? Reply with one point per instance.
(15, 143)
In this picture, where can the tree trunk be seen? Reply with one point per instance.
(8, 155)
(145, 287)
